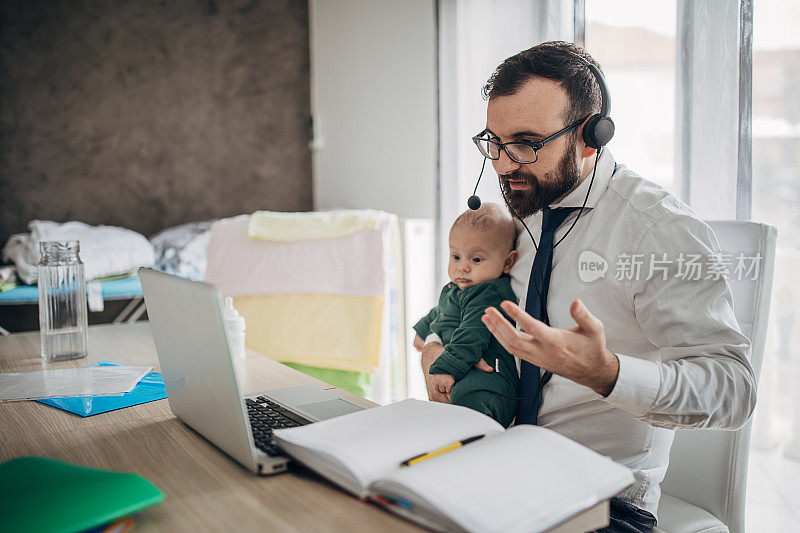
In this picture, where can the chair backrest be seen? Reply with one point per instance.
(708, 468)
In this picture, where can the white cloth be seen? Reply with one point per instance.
(433, 337)
(104, 250)
(683, 360)
(20, 251)
(8, 274)
(350, 265)
(183, 250)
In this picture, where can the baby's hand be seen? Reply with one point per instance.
(419, 343)
(443, 383)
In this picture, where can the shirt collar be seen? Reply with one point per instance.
(605, 169)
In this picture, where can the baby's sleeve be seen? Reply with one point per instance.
(423, 327)
(471, 338)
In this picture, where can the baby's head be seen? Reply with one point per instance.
(482, 243)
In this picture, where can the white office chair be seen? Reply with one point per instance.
(704, 489)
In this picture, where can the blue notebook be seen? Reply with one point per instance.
(149, 389)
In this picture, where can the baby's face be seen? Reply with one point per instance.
(475, 257)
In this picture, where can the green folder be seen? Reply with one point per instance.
(38, 494)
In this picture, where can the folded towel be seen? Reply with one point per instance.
(288, 227)
(239, 266)
(324, 330)
(323, 302)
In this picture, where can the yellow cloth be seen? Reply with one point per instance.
(290, 227)
(324, 330)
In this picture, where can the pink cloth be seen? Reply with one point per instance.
(238, 265)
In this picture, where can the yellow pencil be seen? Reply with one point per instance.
(434, 453)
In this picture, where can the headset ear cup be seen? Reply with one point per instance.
(603, 131)
(598, 131)
(588, 131)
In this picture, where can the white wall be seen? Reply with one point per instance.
(373, 99)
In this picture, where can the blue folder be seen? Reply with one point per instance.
(149, 389)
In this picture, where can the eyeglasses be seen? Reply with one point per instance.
(522, 152)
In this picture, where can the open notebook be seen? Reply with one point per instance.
(526, 478)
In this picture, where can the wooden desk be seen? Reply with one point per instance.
(205, 489)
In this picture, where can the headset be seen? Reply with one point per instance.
(598, 129)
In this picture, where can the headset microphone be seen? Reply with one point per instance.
(474, 201)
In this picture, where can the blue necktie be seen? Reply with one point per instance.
(536, 306)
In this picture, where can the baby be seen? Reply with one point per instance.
(482, 253)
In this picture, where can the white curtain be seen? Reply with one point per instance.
(708, 97)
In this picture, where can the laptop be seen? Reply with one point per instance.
(187, 321)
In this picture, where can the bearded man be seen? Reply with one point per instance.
(617, 361)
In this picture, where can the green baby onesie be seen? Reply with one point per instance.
(457, 320)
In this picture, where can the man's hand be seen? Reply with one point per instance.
(443, 383)
(430, 352)
(418, 343)
(578, 354)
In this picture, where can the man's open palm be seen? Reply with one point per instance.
(578, 354)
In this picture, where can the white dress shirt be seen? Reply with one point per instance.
(684, 362)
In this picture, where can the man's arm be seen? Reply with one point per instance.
(704, 378)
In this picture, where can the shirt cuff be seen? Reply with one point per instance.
(433, 337)
(637, 385)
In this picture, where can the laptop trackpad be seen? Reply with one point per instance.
(328, 409)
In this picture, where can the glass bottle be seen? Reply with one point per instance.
(62, 301)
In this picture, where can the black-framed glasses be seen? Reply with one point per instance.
(522, 152)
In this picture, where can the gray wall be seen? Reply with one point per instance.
(148, 114)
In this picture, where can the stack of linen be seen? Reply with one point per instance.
(319, 291)
(105, 250)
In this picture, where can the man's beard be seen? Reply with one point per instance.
(542, 192)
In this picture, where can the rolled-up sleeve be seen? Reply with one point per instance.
(702, 377)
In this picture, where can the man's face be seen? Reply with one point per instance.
(534, 112)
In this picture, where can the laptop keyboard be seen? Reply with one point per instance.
(266, 415)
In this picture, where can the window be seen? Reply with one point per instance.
(773, 496)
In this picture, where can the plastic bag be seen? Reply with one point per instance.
(149, 389)
(84, 381)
